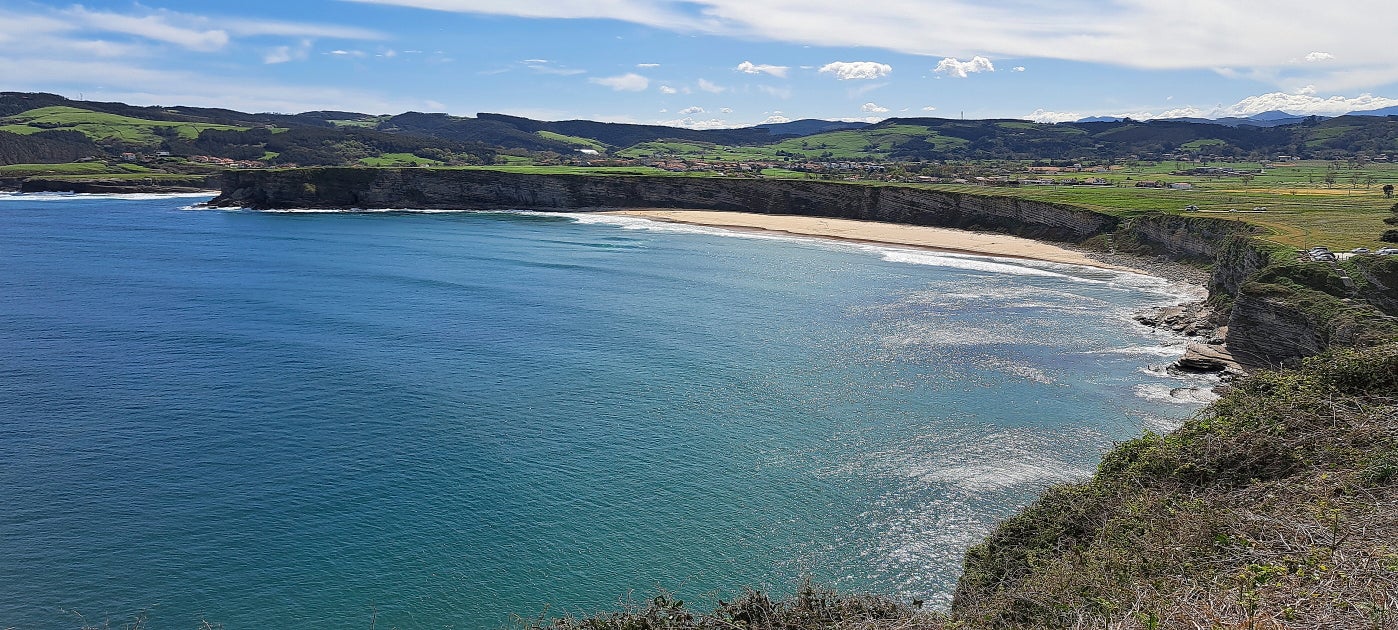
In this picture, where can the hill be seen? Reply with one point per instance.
(28, 123)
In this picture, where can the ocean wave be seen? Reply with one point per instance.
(1168, 350)
(651, 225)
(1177, 395)
(367, 211)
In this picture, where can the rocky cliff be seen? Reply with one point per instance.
(477, 189)
(1271, 320)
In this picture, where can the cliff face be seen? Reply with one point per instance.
(1270, 322)
(474, 189)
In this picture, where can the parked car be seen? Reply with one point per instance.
(1359, 250)
(1388, 251)
(1323, 257)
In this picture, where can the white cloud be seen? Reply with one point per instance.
(710, 87)
(690, 123)
(873, 108)
(961, 69)
(159, 27)
(1306, 104)
(544, 66)
(647, 65)
(283, 54)
(1319, 56)
(629, 82)
(261, 28)
(775, 119)
(690, 111)
(749, 67)
(1302, 103)
(929, 108)
(665, 89)
(847, 70)
(725, 110)
(1145, 34)
(1044, 116)
(1017, 69)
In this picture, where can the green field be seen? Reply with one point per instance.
(578, 170)
(1302, 210)
(71, 168)
(100, 126)
(574, 141)
(399, 159)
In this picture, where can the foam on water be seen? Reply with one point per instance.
(59, 196)
(1177, 395)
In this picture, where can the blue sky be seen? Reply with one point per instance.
(712, 63)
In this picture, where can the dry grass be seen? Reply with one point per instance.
(1276, 508)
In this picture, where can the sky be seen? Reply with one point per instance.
(713, 63)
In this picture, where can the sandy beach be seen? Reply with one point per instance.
(869, 231)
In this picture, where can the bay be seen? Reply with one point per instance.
(441, 420)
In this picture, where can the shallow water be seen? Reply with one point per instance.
(418, 420)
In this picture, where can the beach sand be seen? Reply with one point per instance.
(944, 239)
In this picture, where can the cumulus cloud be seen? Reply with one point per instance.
(749, 67)
(665, 89)
(873, 108)
(1302, 103)
(690, 111)
(690, 123)
(961, 69)
(629, 82)
(1306, 103)
(848, 70)
(775, 119)
(1319, 56)
(711, 87)
(929, 108)
(1045, 116)
(1017, 69)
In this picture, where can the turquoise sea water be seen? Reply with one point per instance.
(438, 420)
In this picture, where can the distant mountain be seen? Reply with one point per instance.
(809, 126)
(1386, 111)
(1264, 119)
(1275, 114)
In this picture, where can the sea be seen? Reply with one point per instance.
(474, 419)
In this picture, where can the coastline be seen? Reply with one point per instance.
(928, 237)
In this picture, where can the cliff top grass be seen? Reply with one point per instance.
(1301, 209)
(71, 168)
(102, 126)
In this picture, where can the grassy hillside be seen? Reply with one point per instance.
(103, 126)
(1274, 506)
